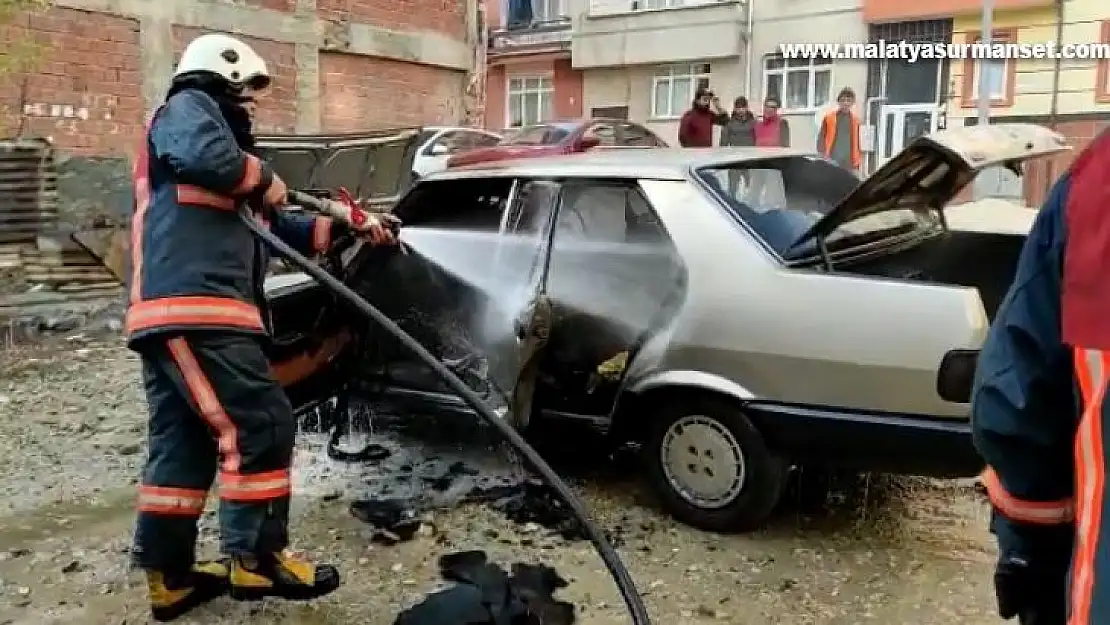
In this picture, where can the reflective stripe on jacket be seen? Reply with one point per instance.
(194, 264)
(1039, 400)
(1086, 327)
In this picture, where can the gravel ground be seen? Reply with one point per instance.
(71, 434)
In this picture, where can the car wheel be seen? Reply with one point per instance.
(711, 467)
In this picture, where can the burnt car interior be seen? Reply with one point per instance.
(609, 277)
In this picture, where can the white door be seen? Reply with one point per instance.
(899, 124)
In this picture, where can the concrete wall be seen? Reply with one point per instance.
(807, 21)
(338, 64)
(631, 87)
(620, 36)
(1079, 88)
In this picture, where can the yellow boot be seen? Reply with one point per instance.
(280, 575)
(173, 595)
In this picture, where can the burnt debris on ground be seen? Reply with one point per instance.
(484, 593)
(410, 464)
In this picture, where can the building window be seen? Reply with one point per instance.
(1102, 70)
(799, 84)
(673, 87)
(548, 10)
(998, 73)
(649, 5)
(531, 101)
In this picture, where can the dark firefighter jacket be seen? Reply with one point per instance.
(1023, 401)
(1039, 405)
(194, 264)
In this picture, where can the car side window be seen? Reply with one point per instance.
(477, 204)
(602, 211)
(635, 135)
(483, 140)
(606, 134)
(521, 248)
(447, 144)
(610, 253)
(532, 207)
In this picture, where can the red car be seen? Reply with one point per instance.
(561, 138)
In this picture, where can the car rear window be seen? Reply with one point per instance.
(538, 135)
(780, 198)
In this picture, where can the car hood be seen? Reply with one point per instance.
(375, 166)
(934, 168)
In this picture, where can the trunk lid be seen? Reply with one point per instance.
(934, 168)
(375, 166)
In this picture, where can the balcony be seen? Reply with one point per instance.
(613, 33)
(539, 37)
(878, 11)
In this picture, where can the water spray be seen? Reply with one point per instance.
(604, 548)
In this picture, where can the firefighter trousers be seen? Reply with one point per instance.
(215, 412)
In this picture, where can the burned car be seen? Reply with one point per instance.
(735, 312)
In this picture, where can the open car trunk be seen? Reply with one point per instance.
(374, 166)
(984, 260)
(979, 249)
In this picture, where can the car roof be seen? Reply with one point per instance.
(649, 163)
(471, 129)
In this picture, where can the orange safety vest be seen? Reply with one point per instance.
(830, 136)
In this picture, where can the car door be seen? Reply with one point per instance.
(522, 259)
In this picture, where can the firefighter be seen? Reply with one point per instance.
(197, 317)
(1037, 408)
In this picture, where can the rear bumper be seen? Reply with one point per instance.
(887, 443)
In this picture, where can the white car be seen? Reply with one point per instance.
(436, 144)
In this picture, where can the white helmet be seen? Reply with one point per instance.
(226, 56)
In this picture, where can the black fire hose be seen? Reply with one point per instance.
(604, 548)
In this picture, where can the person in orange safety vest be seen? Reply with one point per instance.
(838, 137)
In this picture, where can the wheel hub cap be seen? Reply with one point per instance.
(702, 461)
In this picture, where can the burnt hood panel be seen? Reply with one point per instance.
(375, 166)
(929, 173)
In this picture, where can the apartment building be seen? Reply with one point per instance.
(644, 59)
(806, 88)
(1073, 95)
(529, 78)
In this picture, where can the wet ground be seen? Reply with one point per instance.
(71, 434)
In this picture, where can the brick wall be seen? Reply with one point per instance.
(445, 16)
(277, 108)
(85, 90)
(360, 92)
